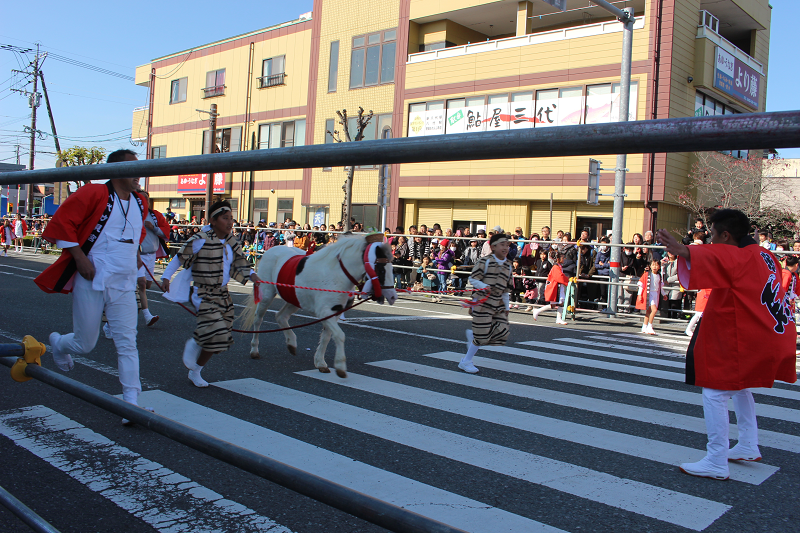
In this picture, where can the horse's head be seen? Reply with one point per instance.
(383, 268)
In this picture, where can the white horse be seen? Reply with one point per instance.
(337, 267)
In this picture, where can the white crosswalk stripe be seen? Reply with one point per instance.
(624, 443)
(648, 500)
(637, 426)
(166, 500)
(423, 499)
(633, 348)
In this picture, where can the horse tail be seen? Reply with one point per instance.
(248, 316)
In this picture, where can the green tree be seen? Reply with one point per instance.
(79, 156)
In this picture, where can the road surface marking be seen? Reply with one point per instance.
(624, 443)
(158, 496)
(605, 353)
(447, 507)
(633, 496)
(630, 348)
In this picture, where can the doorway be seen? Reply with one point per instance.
(473, 225)
(598, 227)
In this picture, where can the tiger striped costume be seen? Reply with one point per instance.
(489, 320)
(215, 315)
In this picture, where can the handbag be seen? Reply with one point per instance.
(431, 276)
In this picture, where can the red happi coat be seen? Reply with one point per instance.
(641, 298)
(163, 225)
(555, 278)
(789, 284)
(747, 335)
(76, 220)
(701, 300)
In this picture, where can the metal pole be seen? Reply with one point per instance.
(348, 198)
(551, 214)
(360, 505)
(24, 513)
(50, 114)
(34, 101)
(623, 15)
(212, 125)
(780, 129)
(622, 159)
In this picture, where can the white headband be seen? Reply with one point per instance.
(220, 210)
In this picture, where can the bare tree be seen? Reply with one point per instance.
(719, 181)
(361, 124)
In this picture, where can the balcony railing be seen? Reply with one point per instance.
(587, 30)
(704, 31)
(272, 80)
(209, 92)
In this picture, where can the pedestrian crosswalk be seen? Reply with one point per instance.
(587, 421)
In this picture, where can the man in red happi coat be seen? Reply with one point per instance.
(746, 338)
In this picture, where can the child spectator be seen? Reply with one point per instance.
(650, 288)
(543, 266)
(519, 284)
(427, 275)
(555, 290)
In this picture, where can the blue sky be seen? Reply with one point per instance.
(95, 109)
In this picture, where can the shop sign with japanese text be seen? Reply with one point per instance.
(736, 79)
(196, 183)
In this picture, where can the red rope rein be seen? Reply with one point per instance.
(352, 294)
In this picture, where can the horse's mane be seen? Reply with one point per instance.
(343, 244)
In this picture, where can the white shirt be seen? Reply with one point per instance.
(18, 228)
(114, 261)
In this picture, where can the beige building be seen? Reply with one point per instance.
(453, 66)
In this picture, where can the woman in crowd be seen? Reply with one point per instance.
(555, 290)
(542, 270)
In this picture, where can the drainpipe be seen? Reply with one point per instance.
(654, 113)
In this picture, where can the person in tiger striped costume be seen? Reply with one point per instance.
(213, 256)
(490, 318)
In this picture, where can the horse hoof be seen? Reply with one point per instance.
(325, 370)
(292, 349)
(255, 355)
(341, 373)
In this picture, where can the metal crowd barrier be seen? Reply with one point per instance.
(25, 514)
(360, 505)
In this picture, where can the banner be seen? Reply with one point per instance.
(456, 120)
(416, 123)
(434, 122)
(736, 79)
(476, 118)
(196, 183)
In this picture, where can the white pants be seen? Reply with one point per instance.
(121, 312)
(149, 261)
(715, 409)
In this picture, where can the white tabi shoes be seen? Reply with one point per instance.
(190, 354)
(705, 468)
(62, 360)
(469, 367)
(741, 452)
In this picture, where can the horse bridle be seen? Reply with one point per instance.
(377, 288)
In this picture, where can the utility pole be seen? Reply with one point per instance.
(50, 114)
(212, 126)
(60, 188)
(34, 103)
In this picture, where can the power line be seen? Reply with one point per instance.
(101, 70)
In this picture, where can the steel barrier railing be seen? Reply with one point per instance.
(360, 505)
(24, 513)
(747, 131)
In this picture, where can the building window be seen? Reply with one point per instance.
(333, 67)
(273, 72)
(373, 131)
(228, 140)
(157, 152)
(366, 214)
(234, 207)
(282, 134)
(706, 106)
(215, 83)
(372, 59)
(261, 209)
(285, 209)
(177, 203)
(177, 91)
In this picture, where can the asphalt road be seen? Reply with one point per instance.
(574, 428)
